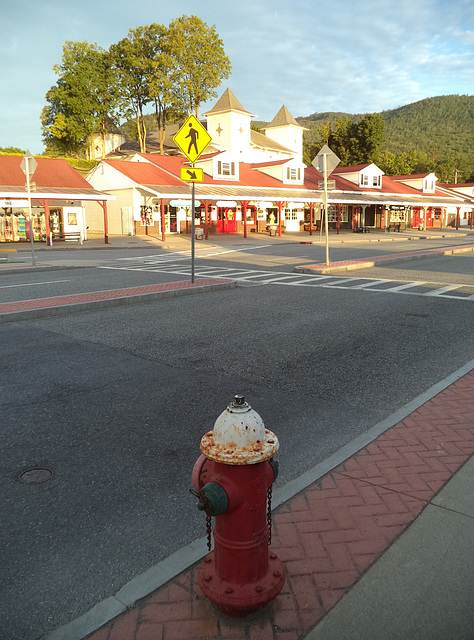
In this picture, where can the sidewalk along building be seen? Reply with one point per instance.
(255, 182)
(58, 193)
(460, 215)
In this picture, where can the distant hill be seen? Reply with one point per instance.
(444, 122)
(441, 127)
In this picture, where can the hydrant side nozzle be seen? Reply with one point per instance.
(214, 499)
(275, 466)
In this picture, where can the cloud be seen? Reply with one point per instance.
(354, 56)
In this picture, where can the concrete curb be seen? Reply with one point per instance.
(112, 302)
(335, 268)
(184, 558)
(38, 268)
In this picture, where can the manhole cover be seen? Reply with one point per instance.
(36, 476)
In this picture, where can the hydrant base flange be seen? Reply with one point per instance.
(239, 600)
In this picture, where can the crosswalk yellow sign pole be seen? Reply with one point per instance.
(192, 139)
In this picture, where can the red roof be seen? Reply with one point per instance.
(247, 176)
(352, 169)
(452, 185)
(164, 170)
(270, 163)
(389, 185)
(52, 173)
(146, 173)
(415, 176)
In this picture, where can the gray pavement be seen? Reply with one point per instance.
(426, 552)
(422, 588)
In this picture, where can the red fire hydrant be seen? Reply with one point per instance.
(233, 480)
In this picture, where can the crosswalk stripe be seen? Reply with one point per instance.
(439, 292)
(409, 285)
(281, 278)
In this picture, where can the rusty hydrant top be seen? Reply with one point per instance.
(239, 436)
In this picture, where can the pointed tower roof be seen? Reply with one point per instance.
(228, 102)
(282, 119)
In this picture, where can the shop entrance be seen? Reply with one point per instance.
(55, 222)
(226, 222)
(416, 219)
(171, 220)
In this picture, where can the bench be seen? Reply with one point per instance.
(395, 226)
(69, 236)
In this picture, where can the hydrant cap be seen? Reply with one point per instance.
(239, 436)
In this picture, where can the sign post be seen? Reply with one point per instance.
(325, 162)
(28, 166)
(192, 139)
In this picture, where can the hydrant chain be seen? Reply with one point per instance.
(204, 503)
(269, 514)
(209, 530)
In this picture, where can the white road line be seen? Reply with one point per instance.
(367, 285)
(30, 284)
(280, 278)
(206, 251)
(302, 280)
(313, 282)
(401, 287)
(338, 282)
(439, 292)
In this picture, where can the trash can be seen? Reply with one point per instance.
(273, 230)
(199, 233)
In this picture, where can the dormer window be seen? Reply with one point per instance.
(428, 185)
(370, 180)
(293, 174)
(225, 169)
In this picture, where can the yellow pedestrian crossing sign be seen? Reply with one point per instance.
(192, 138)
(191, 174)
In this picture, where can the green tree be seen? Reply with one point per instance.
(132, 58)
(160, 87)
(369, 136)
(82, 101)
(325, 131)
(11, 151)
(454, 169)
(195, 55)
(341, 140)
(355, 143)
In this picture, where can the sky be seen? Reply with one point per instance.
(354, 56)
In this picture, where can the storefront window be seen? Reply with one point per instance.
(343, 213)
(146, 216)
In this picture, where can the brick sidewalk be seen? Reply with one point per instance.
(100, 296)
(330, 533)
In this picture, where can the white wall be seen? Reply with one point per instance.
(95, 214)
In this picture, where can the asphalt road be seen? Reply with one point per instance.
(115, 402)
